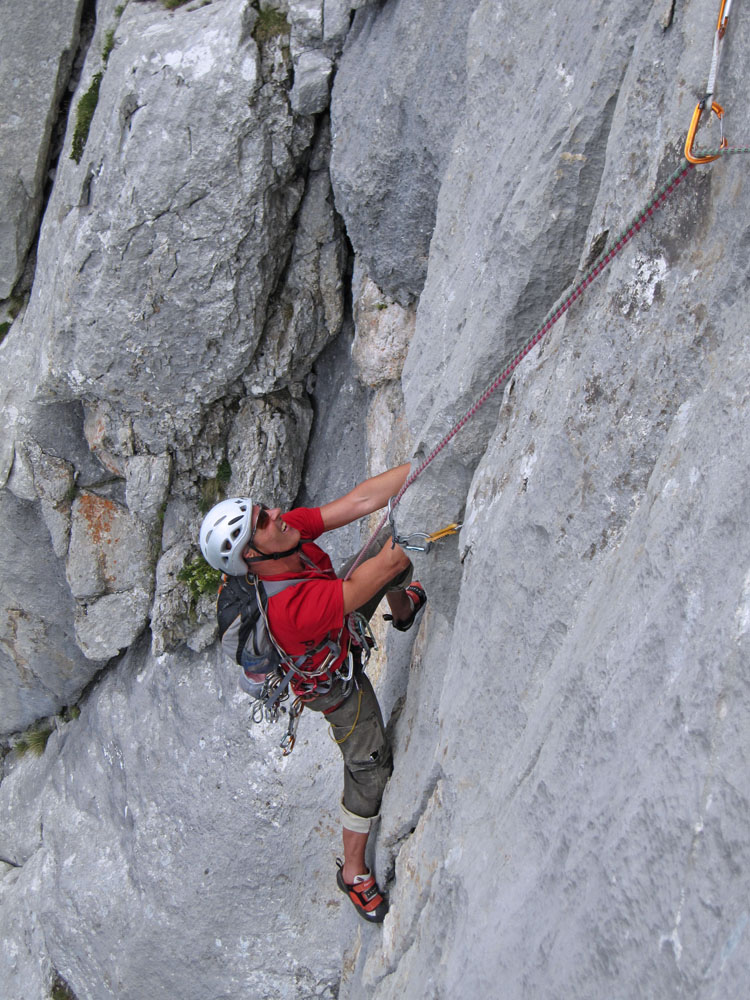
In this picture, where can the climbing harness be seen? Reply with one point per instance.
(417, 541)
(569, 298)
(362, 637)
(311, 683)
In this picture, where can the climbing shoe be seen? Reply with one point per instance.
(418, 598)
(366, 898)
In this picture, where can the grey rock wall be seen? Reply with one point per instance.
(132, 852)
(575, 829)
(37, 48)
(397, 103)
(185, 246)
(568, 811)
(190, 269)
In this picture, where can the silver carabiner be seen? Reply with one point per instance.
(290, 737)
(392, 522)
(411, 545)
(347, 676)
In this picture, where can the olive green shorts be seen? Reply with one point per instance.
(357, 723)
(357, 728)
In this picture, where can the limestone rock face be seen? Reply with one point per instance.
(568, 811)
(168, 822)
(109, 570)
(383, 332)
(190, 258)
(37, 47)
(597, 602)
(187, 247)
(41, 666)
(397, 102)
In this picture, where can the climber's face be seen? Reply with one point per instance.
(270, 533)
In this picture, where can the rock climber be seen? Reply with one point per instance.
(312, 616)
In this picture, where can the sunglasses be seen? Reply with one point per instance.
(261, 520)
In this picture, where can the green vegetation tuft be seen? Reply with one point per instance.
(214, 490)
(270, 24)
(224, 474)
(15, 302)
(33, 741)
(174, 4)
(60, 989)
(109, 44)
(200, 578)
(11, 309)
(84, 115)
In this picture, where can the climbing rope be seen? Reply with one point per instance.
(691, 159)
(354, 724)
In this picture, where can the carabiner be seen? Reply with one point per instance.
(699, 109)
(392, 522)
(721, 24)
(347, 673)
(417, 541)
(290, 738)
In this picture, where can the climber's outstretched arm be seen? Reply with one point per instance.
(369, 496)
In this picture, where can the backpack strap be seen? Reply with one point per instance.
(240, 608)
(295, 665)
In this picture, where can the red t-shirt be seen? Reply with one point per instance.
(303, 616)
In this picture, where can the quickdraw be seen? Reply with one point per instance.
(418, 541)
(362, 636)
(707, 102)
(290, 737)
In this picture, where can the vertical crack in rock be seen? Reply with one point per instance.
(69, 74)
(305, 310)
(393, 844)
(668, 15)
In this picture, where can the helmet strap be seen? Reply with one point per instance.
(273, 555)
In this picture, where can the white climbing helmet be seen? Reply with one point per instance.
(225, 532)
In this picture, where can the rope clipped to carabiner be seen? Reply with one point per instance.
(417, 541)
(707, 101)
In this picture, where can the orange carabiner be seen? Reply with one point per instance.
(721, 24)
(699, 109)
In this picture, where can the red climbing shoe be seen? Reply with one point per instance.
(418, 598)
(367, 899)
